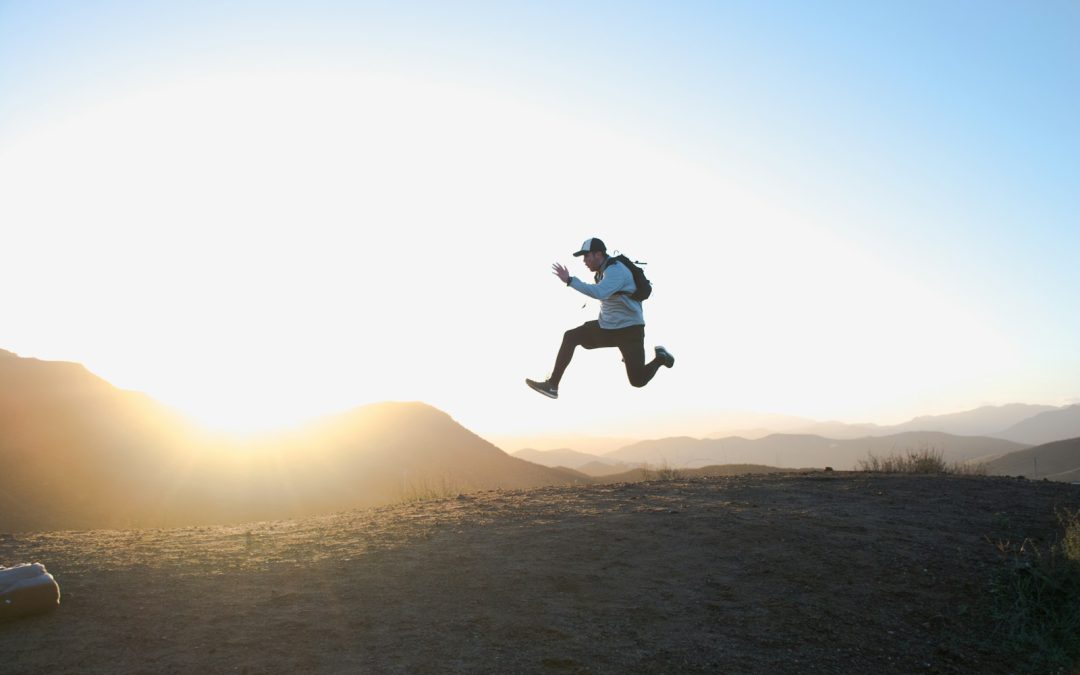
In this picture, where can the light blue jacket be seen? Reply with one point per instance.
(617, 310)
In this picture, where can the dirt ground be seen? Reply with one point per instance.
(823, 572)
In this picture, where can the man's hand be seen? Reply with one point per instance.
(561, 272)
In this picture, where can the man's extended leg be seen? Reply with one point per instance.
(586, 335)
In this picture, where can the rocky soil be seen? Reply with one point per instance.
(819, 572)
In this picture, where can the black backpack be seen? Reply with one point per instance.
(643, 286)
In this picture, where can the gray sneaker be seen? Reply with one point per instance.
(545, 388)
(665, 356)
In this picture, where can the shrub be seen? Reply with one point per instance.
(926, 459)
(1036, 599)
(1070, 541)
(421, 489)
(663, 472)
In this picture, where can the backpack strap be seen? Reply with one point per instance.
(607, 263)
(611, 260)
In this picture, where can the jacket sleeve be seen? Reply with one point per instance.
(616, 279)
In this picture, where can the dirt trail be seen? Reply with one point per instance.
(824, 572)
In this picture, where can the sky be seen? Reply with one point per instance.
(262, 213)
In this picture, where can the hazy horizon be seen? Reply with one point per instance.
(859, 214)
(591, 439)
(129, 461)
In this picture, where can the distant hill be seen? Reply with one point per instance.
(582, 462)
(1053, 425)
(984, 421)
(653, 473)
(561, 457)
(593, 445)
(421, 444)
(78, 453)
(1059, 460)
(600, 469)
(840, 430)
(806, 427)
(795, 450)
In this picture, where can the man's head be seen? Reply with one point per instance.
(594, 253)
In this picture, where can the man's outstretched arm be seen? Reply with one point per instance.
(616, 278)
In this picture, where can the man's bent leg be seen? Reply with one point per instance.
(633, 351)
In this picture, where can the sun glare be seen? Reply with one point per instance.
(259, 250)
(227, 228)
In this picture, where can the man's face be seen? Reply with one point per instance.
(593, 260)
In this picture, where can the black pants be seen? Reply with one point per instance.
(629, 340)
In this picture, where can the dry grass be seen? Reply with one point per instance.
(424, 489)
(662, 472)
(923, 460)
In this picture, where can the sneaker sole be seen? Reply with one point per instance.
(541, 390)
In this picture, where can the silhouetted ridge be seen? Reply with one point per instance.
(79, 453)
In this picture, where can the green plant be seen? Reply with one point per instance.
(1070, 540)
(1036, 598)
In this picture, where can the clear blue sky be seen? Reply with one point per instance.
(862, 211)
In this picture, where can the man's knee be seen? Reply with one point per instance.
(581, 336)
(638, 378)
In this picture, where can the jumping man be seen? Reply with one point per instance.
(621, 323)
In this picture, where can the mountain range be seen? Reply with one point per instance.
(584, 462)
(785, 450)
(1046, 427)
(77, 453)
(1018, 422)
